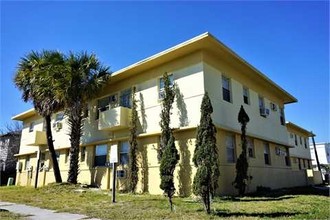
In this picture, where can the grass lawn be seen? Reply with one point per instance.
(9, 216)
(299, 203)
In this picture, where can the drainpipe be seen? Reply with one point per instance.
(316, 156)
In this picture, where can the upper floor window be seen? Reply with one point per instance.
(306, 142)
(226, 89)
(301, 140)
(107, 103)
(123, 154)
(262, 109)
(246, 96)
(161, 86)
(59, 116)
(230, 148)
(125, 98)
(250, 147)
(101, 152)
(295, 140)
(31, 126)
(266, 153)
(282, 117)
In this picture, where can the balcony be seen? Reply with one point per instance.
(35, 138)
(114, 119)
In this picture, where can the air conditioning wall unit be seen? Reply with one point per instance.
(58, 125)
(264, 112)
(121, 174)
(273, 107)
(19, 166)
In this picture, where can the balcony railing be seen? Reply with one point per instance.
(35, 138)
(114, 119)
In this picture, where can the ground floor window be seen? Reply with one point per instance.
(101, 152)
(250, 147)
(82, 154)
(230, 148)
(123, 153)
(266, 153)
(27, 162)
(287, 158)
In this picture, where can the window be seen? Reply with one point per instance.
(295, 140)
(306, 142)
(300, 140)
(31, 127)
(101, 152)
(106, 103)
(282, 117)
(42, 161)
(262, 106)
(304, 163)
(123, 154)
(291, 135)
(287, 157)
(230, 147)
(59, 116)
(250, 147)
(308, 164)
(57, 156)
(161, 92)
(226, 89)
(299, 163)
(125, 98)
(27, 162)
(266, 153)
(82, 154)
(246, 96)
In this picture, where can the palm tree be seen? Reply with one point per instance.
(34, 77)
(82, 82)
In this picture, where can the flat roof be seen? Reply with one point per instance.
(24, 115)
(207, 42)
(296, 127)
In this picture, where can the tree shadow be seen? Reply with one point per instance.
(144, 123)
(185, 169)
(97, 175)
(237, 199)
(182, 107)
(143, 154)
(225, 214)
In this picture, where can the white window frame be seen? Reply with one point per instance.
(246, 93)
(224, 81)
(161, 86)
(230, 147)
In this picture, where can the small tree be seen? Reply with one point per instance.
(132, 162)
(242, 164)
(168, 154)
(167, 102)
(206, 156)
(167, 166)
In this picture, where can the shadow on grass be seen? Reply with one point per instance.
(236, 199)
(260, 215)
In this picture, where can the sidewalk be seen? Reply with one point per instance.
(35, 213)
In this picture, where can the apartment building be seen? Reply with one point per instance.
(200, 64)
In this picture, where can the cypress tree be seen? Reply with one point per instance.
(132, 162)
(168, 154)
(167, 102)
(167, 166)
(206, 156)
(242, 164)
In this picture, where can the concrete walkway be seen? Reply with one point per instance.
(35, 213)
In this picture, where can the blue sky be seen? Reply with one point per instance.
(287, 40)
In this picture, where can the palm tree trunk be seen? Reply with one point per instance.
(75, 119)
(50, 143)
